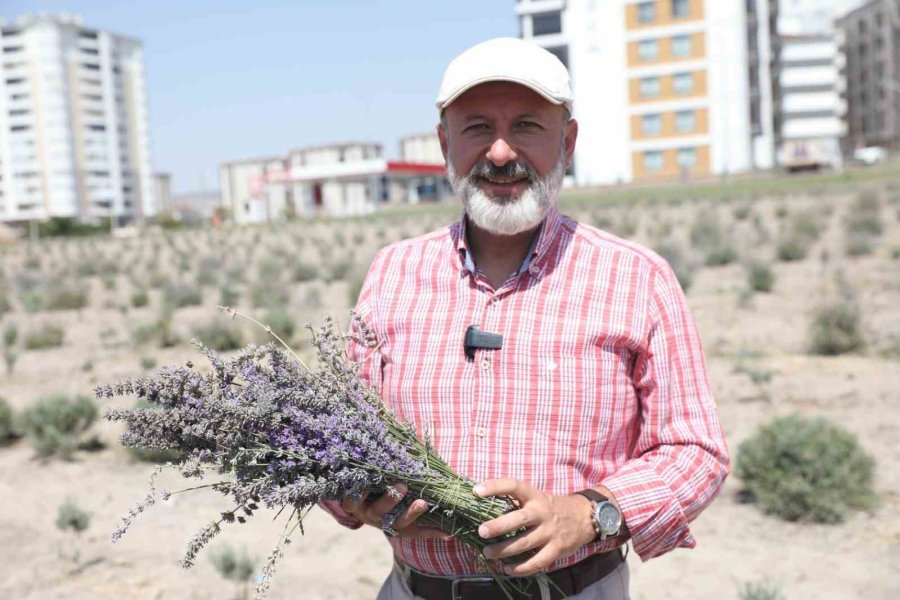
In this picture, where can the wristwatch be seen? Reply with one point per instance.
(605, 516)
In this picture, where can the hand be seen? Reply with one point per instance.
(370, 512)
(556, 526)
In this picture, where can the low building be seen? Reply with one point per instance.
(351, 178)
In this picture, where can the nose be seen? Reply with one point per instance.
(500, 153)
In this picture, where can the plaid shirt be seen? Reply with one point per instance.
(600, 380)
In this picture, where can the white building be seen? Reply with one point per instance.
(73, 123)
(421, 148)
(662, 88)
(343, 179)
(811, 111)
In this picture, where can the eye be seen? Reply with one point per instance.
(476, 128)
(529, 125)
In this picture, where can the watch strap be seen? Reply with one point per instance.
(592, 495)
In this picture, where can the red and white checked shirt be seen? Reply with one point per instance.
(600, 380)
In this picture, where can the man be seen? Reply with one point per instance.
(591, 404)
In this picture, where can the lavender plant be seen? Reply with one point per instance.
(279, 434)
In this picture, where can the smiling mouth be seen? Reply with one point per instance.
(504, 180)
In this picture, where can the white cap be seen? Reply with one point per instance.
(507, 59)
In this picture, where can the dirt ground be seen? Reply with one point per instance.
(737, 543)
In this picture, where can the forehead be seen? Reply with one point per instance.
(501, 98)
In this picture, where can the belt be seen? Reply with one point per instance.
(563, 583)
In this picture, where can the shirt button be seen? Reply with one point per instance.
(485, 364)
(480, 432)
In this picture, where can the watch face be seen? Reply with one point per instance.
(609, 518)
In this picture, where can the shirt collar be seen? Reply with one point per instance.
(534, 259)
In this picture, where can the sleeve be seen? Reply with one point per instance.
(368, 359)
(681, 459)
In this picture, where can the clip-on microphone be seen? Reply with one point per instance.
(475, 339)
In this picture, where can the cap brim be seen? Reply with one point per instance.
(524, 82)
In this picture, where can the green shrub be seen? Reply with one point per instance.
(140, 298)
(807, 224)
(676, 258)
(8, 429)
(759, 591)
(147, 362)
(741, 212)
(720, 256)
(228, 296)
(864, 215)
(895, 253)
(804, 469)
(792, 248)
(46, 336)
(219, 335)
(5, 305)
(234, 567)
(32, 301)
(159, 332)
(179, 295)
(109, 281)
(282, 324)
(263, 295)
(55, 424)
(70, 516)
(836, 329)
(312, 298)
(760, 277)
(706, 232)
(65, 298)
(338, 270)
(304, 272)
(859, 244)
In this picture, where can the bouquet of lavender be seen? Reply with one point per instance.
(280, 434)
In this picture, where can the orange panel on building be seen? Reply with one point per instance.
(666, 53)
(667, 89)
(669, 127)
(663, 15)
(670, 169)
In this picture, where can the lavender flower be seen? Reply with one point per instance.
(286, 436)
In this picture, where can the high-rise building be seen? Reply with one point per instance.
(73, 123)
(162, 191)
(870, 37)
(662, 88)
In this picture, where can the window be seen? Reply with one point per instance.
(648, 50)
(653, 160)
(681, 46)
(687, 158)
(683, 83)
(646, 12)
(650, 87)
(685, 121)
(651, 124)
(546, 23)
(680, 9)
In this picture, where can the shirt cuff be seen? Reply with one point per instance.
(333, 507)
(652, 513)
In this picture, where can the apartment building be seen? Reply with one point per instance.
(662, 88)
(870, 39)
(73, 123)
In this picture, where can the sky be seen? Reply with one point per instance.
(229, 80)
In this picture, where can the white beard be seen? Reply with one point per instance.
(508, 215)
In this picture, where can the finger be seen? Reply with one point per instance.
(351, 506)
(418, 532)
(415, 510)
(385, 502)
(536, 564)
(505, 487)
(508, 523)
(534, 538)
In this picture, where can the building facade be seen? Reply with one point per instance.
(661, 87)
(870, 38)
(162, 192)
(336, 180)
(74, 138)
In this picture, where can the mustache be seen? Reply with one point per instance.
(486, 168)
